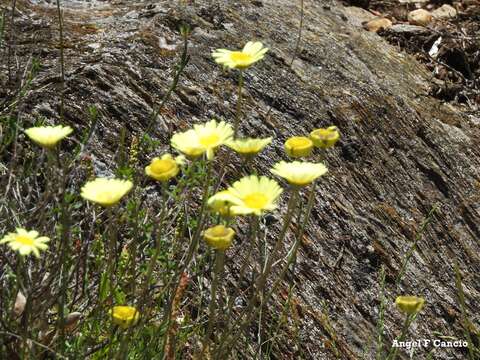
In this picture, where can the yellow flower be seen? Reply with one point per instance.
(164, 168)
(249, 146)
(203, 138)
(124, 316)
(250, 195)
(106, 192)
(410, 304)
(26, 242)
(299, 173)
(219, 237)
(298, 146)
(250, 54)
(48, 136)
(325, 138)
(219, 206)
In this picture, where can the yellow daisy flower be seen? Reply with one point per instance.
(299, 173)
(219, 206)
(325, 138)
(124, 316)
(250, 54)
(26, 242)
(106, 192)
(298, 146)
(409, 304)
(188, 143)
(219, 237)
(203, 138)
(164, 168)
(248, 147)
(48, 136)
(250, 195)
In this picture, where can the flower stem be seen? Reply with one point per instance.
(225, 342)
(217, 276)
(22, 285)
(408, 321)
(238, 114)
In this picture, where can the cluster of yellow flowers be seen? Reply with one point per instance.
(250, 195)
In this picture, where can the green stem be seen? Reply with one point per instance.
(22, 285)
(408, 321)
(191, 249)
(238, 114)
(65, 249)
(413, 248)
(217, 276)
(241, 273)
(112, 252)
(62, 59)
(158, 248)
(180, 68)
(260, 284)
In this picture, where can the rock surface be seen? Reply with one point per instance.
(401, 151)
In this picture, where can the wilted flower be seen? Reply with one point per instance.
(106, 192)
(299, 173)
(26, 242)
(48, 136)
(124, 316)
(203, 138)
(250, 195)
(250, 54)
(164, 168)
(219, 237)
(298, 146)
(410, 304)
(325, 138)
(248, 147)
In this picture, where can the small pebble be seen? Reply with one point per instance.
(376, 25)
(444, 12)
(419, 17)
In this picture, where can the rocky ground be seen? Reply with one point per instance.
(404, 147)
(441, 34)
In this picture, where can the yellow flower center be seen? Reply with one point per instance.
(124, 313)
(218, 231)
(24, 240)
(298, 142)
(162, 166)
(325, 134)
(255, 200)
(239, 56)
(209, 140)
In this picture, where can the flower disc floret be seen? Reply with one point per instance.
(48, 136)
(250, 195)
(250, 54)
(106, 192)
(325, 137)
(298, 146)
(219, 237)
(410, 304)
(248, 147)
(299, 173)
(124, 316)
(164, 168)
(25, 242)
